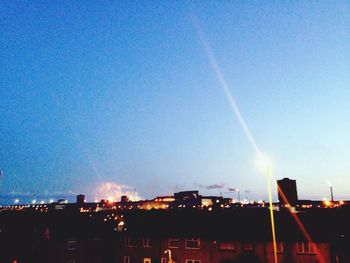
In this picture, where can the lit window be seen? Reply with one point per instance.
(72, 245)
(227, 246)
(193, 243)
(147, 260)
(126, 259)
(174, 242)
(279, 247)
(146, 242)
(306, 248)
(248, 246)
(131, 241)
(193, 261)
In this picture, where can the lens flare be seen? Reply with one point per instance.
(242, 122)
(263, 163)
(301, 225)
(224, 87)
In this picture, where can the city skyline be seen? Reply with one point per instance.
(124, 93)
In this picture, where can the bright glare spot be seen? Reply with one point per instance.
(16, 201)
(33, 201)
(110, 199)
(327, 203)
(51, 201)
(42, 202)
(263, 163)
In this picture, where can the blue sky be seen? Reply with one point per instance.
(123, 92)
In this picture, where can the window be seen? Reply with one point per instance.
(248, 246)
(193, 243)
(126, 259)
(279, 247)
(227, 246)
(193, 261)
(163, 260)
(174, 242)
(147, 260)
(131, 241)
(72, 245)
(146, 242)
(306, 248)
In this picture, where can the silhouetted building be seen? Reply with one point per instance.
(124, 199)
(187, 199)
(287, 192)
(194, 228)
(80, 199)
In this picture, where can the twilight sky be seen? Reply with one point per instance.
(123, 92)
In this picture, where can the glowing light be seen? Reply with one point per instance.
(116, 191)
(33, 201)
(120, 226)
(110, 199)
(327, 203)
(51, 201)
(263, 163)
(16, 201)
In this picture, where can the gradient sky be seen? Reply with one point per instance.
(123, 92)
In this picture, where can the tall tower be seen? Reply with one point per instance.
(80, 199)
(287, 191)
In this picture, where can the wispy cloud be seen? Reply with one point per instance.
(211, 186)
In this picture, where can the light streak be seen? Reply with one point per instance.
(233, 104)
(301, 225)
(251, 139)
(273, 229)
(226, 90)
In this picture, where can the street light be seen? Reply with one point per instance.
(237, 191)
(170, 260)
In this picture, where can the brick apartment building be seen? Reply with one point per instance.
(191, 235)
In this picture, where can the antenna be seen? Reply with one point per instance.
(332, 197)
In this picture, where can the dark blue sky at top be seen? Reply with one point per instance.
(122, 91)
